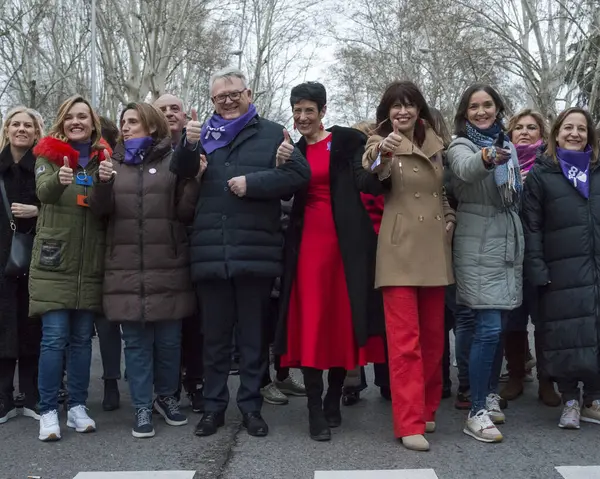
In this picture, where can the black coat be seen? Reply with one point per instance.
(356, 236)
(19, 335)
(234, 236)
(562, 248)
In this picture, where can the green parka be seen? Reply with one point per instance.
(67, 263)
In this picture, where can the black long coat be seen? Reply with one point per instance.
(356, 236)
(562, 246)
(19, 335)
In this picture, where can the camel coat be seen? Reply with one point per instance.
(413, 247)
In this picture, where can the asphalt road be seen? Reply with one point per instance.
(533, 444)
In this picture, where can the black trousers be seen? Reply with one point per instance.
(191, 353)
(241, 304)
(28, 374)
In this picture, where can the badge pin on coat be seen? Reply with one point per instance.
(152, 171)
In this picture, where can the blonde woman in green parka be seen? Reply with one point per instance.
(65, 281)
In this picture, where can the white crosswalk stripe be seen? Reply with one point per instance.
(579, 472)
(568, 472)
(397, 474)
(137, 475)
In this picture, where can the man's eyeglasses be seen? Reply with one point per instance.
(233, 96)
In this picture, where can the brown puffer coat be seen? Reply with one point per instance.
(147, 263)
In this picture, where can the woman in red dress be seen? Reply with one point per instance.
(331, 316)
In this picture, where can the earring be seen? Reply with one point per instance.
(295, 127)
(321, 127)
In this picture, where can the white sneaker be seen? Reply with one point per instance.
(49, 427)
(492, 404)
(78, 419)
(571, 414)
(481, 427)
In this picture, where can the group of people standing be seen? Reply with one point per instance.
(397, 233)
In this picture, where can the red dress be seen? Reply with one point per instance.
(320, 333)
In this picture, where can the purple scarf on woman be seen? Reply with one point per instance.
(575, 165)
(218, 132)
(527, 155)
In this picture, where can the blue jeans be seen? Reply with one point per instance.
(59, 328)
(484, 354)
(464, 331)
(152, 359)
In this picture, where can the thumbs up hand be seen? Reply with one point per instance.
(65, 174)
(285, 150)
(392, 141)
(192, 130)
(106, 170)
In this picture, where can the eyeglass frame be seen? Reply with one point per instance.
(228, 95)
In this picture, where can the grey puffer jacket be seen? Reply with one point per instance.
(488, 241)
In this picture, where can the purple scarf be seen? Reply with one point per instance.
(218, 133)
(527, 155)
(575, 165)
(84, 149)
(135, 149)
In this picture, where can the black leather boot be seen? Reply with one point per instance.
(112, 398)
(331, 403)
(318, 427)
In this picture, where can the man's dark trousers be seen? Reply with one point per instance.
(242, 302)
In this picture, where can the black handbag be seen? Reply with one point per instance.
(21, 245)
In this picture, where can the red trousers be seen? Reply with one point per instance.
(414, 319)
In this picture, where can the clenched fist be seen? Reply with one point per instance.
(203, 166)
(65, 174)
(237, 186)
(285, 150)
(106, 171)
(192, 130)
(392, 141)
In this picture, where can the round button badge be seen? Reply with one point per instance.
(152, 171)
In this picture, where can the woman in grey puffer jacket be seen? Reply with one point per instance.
(488, 243)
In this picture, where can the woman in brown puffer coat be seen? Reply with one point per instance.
(147, 285)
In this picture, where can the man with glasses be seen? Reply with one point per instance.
(237, 242)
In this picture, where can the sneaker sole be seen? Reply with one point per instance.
(9, 415)
(276, 402)
(291, 392)
(143, 435)
(569, 427)
(50, 438)
(170, 422)
(590, 420)
(82, 430)
(468, 432)
(31, 413)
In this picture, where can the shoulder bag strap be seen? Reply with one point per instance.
(13, 226)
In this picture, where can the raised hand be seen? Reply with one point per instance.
(192, 130)
(106, 170)
(65, 174)
(285, 150)
(392, 141)
(237, 186)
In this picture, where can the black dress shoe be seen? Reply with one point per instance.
(350, 398)
(255, 424)
(210, 423)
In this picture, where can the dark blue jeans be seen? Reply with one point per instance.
(464, 329)
(152, 359)
(59, 328)
(485, 349)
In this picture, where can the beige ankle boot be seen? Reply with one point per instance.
(415, 443)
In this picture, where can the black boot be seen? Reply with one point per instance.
(331, 403)
(313, 382)
(112, 398)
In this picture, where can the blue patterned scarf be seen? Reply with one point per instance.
(507, 176)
